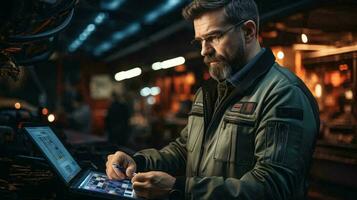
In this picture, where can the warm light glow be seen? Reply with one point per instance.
(180, 68)
(17, 105)
(51, 118)
(343, 67)
(349, 95)
(127, 74)
(318, 90)
(44, 111)
(336, 79)
(168, 63)
(280, 55)
(304, 38)
(190, 79)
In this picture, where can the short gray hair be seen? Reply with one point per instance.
(235, 10)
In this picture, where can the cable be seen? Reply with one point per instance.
(43, 35)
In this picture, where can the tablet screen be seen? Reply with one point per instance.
(99, 182)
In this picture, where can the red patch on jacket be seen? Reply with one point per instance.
(237, 107)
(247, 108)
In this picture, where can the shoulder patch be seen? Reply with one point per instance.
(290, 113)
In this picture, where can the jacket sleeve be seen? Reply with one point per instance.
(284, 143)
(171, 158)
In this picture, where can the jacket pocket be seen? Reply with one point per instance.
(235, 141)
(195, 126)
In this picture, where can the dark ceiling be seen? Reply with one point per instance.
(102, 27)
(140, 31)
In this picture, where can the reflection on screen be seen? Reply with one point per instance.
(99, 182)
(55, 151)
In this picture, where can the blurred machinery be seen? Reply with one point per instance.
(28, 31)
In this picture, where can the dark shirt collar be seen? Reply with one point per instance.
(235, 78)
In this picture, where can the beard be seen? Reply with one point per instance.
(221, 68)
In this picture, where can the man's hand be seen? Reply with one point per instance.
(121, 159)
(153, 184)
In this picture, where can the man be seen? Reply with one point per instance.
(117, 120)
(251, 131)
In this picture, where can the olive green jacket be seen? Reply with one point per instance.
(257, 144)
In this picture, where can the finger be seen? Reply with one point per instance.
(130, 170)
(108, 160)
(140, 177)
(109, 157)
(119, 174)
(140, 186)
(112, 174)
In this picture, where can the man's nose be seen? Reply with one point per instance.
(206, 48)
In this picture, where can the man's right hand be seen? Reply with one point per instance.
(121, 159)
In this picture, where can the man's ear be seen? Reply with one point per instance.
(250, 30)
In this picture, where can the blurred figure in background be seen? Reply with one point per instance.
(117, 120)
(80, 119)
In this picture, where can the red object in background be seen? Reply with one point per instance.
(99, 111)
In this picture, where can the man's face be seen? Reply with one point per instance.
(223, 50)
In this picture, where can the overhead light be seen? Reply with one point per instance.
(111, 4)
(168, 63)
(105, 46)
(132, 28)
(117, 37)
(280, 55)
(82, 37)
(304, 38)
(155, 91)
(100, 18)
(51, 118)
(127, 74)
(145, 92)
(156, 66)
(161, 10)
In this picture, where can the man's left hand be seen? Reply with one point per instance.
(153, 184)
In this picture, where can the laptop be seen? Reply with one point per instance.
(88, 182)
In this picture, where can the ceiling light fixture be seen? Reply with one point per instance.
(168, 63)
(128, 74)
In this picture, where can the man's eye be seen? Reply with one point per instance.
(211, 38)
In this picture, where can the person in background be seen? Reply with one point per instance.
(251, 130)
(117, 121)
(80, 119)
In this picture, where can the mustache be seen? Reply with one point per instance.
(211, 58)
